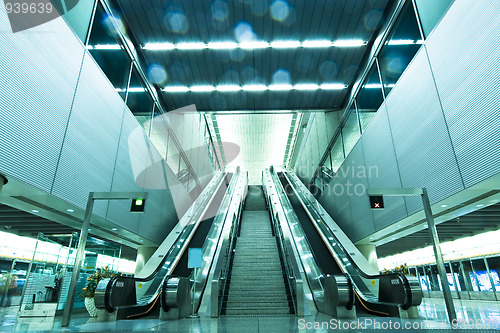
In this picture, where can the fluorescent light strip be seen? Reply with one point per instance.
(306, 86)
(256, 87)
(228, 87)
(202, 88)
(280, 87)
(285, 44)
(105, 47)
(253, 45)
(401, 42)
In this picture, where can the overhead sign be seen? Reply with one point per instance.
(138, 205)
(376, 202)
(195, 257)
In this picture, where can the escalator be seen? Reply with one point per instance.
(256, 285)
(137, 297)
(374, 294)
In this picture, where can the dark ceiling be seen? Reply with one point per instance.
(485, 219)
(153, 21)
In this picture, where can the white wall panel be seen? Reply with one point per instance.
(464, 53)
(382, 168)
(90, 145)
(35, 97)
(123, 178)
(421, 140)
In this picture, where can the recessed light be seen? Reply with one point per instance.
(70, 210)
(35, 211)
(444, 206)
(479, 205)
(114, 229)
(371, 237)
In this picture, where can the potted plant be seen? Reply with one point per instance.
(87, 293)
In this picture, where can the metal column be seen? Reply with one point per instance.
(450, 307)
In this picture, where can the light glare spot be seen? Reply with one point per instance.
(280, 10)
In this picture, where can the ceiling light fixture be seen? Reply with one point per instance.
(254, 87)
(137, 89)
(191, 46)
(401, 42)
(176, 89)
(107, 47)
(251, 45)
(317, 43)
(222, 45)
(228, 87)
(202, 88)
(280, 87)
(69, 210)
(332, 86)
(35, 211)
(285, 44)
(306, 86)
(349, 43)
(254, 45)
(159, 46)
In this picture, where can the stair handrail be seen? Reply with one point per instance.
(226, 246)
(412, 292)
(294, 276)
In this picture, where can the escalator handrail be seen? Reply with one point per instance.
(400, 276)
(291, 260)
(226, 245)
(284, 195)
(188, 229)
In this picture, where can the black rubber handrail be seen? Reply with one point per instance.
(408, 293)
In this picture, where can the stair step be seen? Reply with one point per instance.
(243, 312)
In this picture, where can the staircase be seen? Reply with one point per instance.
(256, 285)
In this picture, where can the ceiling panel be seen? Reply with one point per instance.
(179, 21)
(485, 219)
(261, 137)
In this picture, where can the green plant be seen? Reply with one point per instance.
(93, 280)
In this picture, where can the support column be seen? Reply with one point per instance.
(369, 251)
(143, 255)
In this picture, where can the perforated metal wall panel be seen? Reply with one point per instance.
(421, 140)
(362, 218)
(464, 54)
(123, 178)
(35, 97)
(382, 168)
(89, 149)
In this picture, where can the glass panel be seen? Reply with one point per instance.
(139, 101)
(337, 154)
(78, 15)
(434, 279)
(173, 157)
(458, 278)
(369, 98)
(108, 52)
(401, 45)
(469, 278)
(424, 279)
(430, 12)
(481, 275)
(350, 131)
(494, 265)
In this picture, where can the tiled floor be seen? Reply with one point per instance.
(432, 312)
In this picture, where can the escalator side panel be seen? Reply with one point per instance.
(321, 253)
